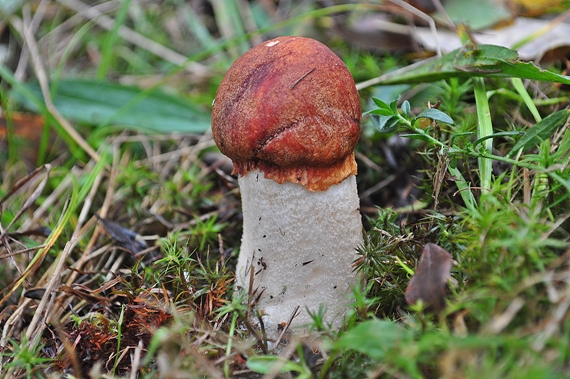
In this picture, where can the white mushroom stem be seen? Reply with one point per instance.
(300, 245)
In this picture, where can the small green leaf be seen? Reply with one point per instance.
(375, 338)
(540, 131)
(381, 112)
(406, 108)
(394, 106)
(380, 103)
(436, 115)
(386, 124)
(563, 147)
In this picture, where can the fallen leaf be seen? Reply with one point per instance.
(541, 37)
(28, 129)
(430, 279)
(123, 236)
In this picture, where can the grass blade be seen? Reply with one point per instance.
(463, 188)
(519, 86)
(107, 51)
(479, 61)
(485, 128)
(102, 103)
(540, 131)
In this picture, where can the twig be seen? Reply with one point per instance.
(21, 182)
(24, 55)
(378, 186)
(293, 315)
(416, 12)
(253, 332)
(437, 4)
(302, 77)
(60, 265)
(57, 195)
(136, 360)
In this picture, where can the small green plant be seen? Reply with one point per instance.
(388, 118)
(176, 259)
(205, 232)
(27, 357)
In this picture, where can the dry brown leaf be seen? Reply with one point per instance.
(429, 282)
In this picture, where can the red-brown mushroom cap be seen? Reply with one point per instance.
(289, 107)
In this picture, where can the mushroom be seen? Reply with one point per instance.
(288, 114)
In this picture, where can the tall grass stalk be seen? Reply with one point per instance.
(110, 40)
(484, 129)
(119, 335)
(519, 86)
(12, 154)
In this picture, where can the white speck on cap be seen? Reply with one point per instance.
(272, 43)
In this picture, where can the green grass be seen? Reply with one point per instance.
(480, 168)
